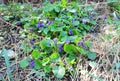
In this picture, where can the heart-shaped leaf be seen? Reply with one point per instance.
(54, 57)
(59, 71)
(25, 62)
(91, 55)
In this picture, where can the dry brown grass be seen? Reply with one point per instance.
(108, 54)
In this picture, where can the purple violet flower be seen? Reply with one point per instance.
(34, 47)
(49, 22)
(70, 68)
(32, 41)
(83, 45)
(84, 21)
(105, 17)
(88, 12)
(31, 29)
(92, 15)
(90, 18)
(60, 47)
(64, 61)
(67, 41)
(70, 32)
(19, 23)
(42, 25)
(80, 42)
(39, 25)
(31, 64)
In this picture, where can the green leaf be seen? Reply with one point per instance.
(6, 18)
(45, 61)
(84, 32)
(47, 69)
(76, 23)
(54, 29)
(66, 21)
(76, 31)
(54, 57)
(93, 22)
(64, 38)
(77, 39)
(81, 50)
(57, 9)
(59, 72)
(87, 27)
(88, 44)
(24, 19)
(25, 62)
(69, 48)
(38, 64)
(33, 21)
(72, 38)
(63, 33)
(71, 60)
(109, 20)
(48, 7)
(44, 44)
(27, 25)
(36, 54)
(46, 30)
(91, 55)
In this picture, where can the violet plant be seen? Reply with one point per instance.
(55, 32)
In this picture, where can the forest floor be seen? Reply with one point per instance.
(105, 42)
